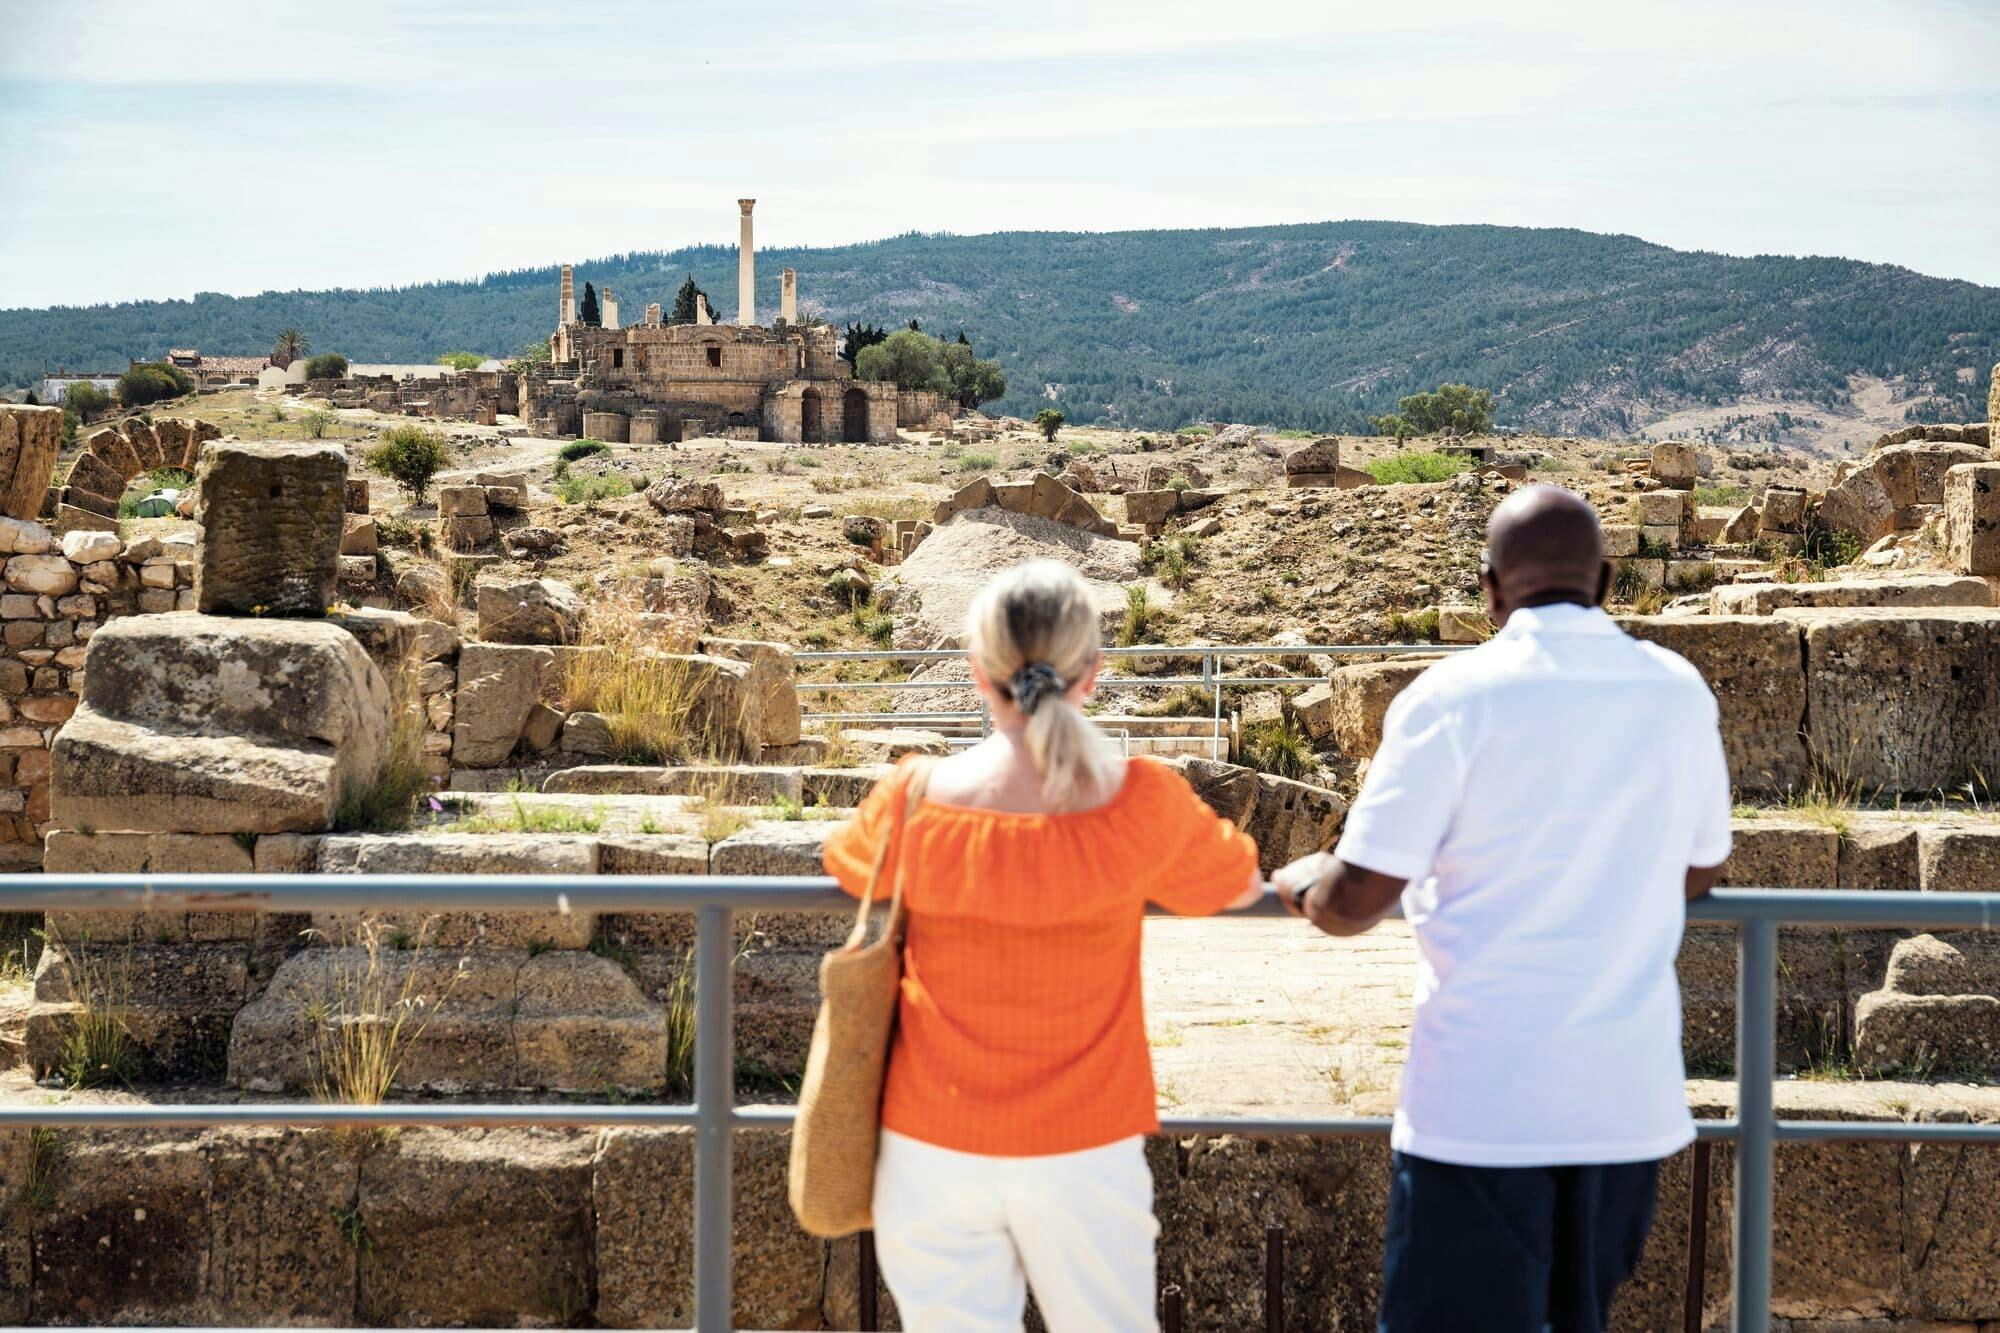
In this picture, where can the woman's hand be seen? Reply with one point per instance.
(1251, 896)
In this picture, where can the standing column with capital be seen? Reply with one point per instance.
(746, 269)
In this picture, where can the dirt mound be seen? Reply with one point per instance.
(930, 592)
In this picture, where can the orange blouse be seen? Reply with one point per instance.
(1021, 1030)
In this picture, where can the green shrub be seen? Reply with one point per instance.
(317, 422)
(1279, 748)
(1420, 626)
(1048, 421)
(1424, 465)
(461, 360)
(327, 366)
(1722, 495)
(584, 448)
(85, 399)
(152, 382)
(574, 490)
(1138, 617)
(978, 463)
(409, 456)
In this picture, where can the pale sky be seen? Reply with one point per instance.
(159, 149)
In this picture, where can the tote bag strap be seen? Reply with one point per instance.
(913, 796)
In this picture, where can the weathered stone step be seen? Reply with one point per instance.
(480, 1019)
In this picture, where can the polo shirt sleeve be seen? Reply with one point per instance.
(1711, 796)
(1412, 791)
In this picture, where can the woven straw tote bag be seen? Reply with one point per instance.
(832, 1177)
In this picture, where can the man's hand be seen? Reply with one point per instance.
(1338, 898)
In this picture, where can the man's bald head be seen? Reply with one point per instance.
(1543, 545)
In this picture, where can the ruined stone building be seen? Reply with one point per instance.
(653, 381)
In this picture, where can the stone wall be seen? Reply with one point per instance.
(57, 592)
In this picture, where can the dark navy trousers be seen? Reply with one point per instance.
(1510, 1249)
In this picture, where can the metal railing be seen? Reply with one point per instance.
(714, 1115)
(1211, 678)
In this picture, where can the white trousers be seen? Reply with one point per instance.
(960, 1237)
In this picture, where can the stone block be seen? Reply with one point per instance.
(1972, 518)
(358, 536)
(1150, 508)
(497, 686)
(529, 611)
(125, 1236)
(644, 1198)
(1761, 599)
(1899, 700)
(462, 854)
(461, 501)
(87, 548)
(1659, 536)
(269, 524)
(1321, 456)
(1349, 708)
(463, 532)
(1621, 539)
(496, 1018)
(1783, 512)
(175, 1003)
(773, 677)
(1660, 508)
(480, 1228)
(725, 784)
(1859, 504)
(30, 438)
(1676, 464)
(1755, 667)
(1914, 474)
(356, 495)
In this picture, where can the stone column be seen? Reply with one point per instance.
(653, 315)
(746, 269)
(566, 307)
(701, 315)
(610, 309)
(788, 298)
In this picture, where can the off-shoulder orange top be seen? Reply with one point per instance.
(1021, 1029)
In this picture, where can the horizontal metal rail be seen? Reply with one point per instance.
(714, 1117)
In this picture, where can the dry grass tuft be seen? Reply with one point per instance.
(369, 1017)
(97, 1047)
(647, 696)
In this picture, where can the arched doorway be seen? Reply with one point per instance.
(854, 417)
(812, 427)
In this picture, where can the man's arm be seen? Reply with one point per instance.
(1700, 879)
(1339, 898)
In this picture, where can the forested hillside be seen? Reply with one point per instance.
(1320, 326)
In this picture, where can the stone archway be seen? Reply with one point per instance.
(854, 417)
(812, 421)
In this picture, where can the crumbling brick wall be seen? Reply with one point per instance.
(54, 593)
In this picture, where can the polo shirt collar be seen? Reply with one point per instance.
(1559, 618)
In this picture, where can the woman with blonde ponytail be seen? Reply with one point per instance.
(1020, 1087)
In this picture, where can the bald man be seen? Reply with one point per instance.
(1544, 805)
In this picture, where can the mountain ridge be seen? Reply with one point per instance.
(1320, 325)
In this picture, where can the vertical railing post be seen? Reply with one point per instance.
(1756, 1129)
(714, 1108)
(1211, 667)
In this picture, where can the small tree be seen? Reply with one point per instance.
(409, 456)
(910, 358)
(327, 366)
(589, 313)
(1048, 421)
(152, 381)
(290, 346)
(85, 399)
(1393, 425)
(684, 302)
(856, 338)
(461, 360)
(1457, 407)
(531, 356)
(973, 381)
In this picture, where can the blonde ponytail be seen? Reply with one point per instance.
(1033, 632)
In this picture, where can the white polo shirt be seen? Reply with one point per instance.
(1545, 794)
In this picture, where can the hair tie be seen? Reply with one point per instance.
(1034, 683)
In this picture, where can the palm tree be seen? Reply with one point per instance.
(291, 345)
